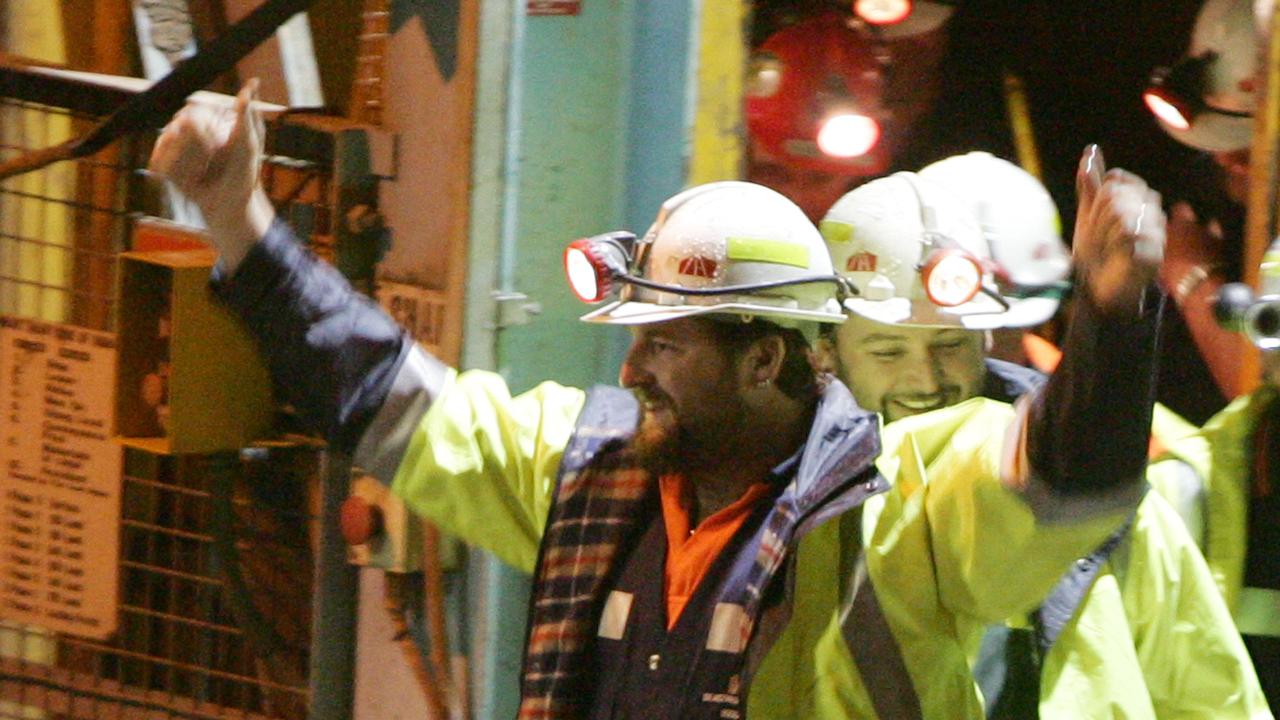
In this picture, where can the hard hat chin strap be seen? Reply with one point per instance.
(845, 287)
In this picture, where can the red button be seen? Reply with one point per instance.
(360, 520)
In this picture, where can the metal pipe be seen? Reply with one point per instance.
(333, 630)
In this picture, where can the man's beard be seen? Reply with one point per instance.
(656, 444)
(657, 441)
(663, 442)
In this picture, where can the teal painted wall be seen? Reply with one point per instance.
(593, 131)
(566, 149)
(598, 126)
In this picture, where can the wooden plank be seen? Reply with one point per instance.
(1264, 174)
(430, 104)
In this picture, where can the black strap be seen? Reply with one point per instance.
(1008, 673)
(1065, 598)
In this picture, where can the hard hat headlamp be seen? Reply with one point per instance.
(591, 264)
(882, 12)
(951, 277)
(1176, 93)
(814, 97)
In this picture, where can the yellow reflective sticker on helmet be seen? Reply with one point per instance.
(770, 251)
(834, 231)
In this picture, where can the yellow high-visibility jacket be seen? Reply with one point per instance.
(963, 538)
(1221, 454)
(1152, 638)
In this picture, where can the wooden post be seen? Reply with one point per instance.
(1264, 174)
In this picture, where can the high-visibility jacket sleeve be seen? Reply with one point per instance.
(957, 516)
(1219, 454)
(482, 464)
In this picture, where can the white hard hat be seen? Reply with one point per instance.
(894, 237)
(1207, 99)
(1019, 220)
(748, 249)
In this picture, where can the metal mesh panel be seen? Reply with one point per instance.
(215, 551)
(215, 581)
(60, 227)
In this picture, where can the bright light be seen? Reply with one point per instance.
(848, 135)
(1170, 113)
(882, 12)
(584, 279)
(951, 278)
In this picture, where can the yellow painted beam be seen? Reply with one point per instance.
(718, 133)
(1024, 136)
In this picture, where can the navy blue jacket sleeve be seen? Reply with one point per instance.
(1090, 424)
(331, 352)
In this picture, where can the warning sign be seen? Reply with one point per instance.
(60, 474)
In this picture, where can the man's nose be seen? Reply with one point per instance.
(633, 372)
(922, 375)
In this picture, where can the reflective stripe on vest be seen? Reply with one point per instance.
(876, 653)
(1258, 612)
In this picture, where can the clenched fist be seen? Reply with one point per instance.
(214, 157)
(1119, 235)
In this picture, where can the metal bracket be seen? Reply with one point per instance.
(513, 308)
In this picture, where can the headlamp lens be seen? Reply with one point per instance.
(1175, 94)
(882, 12)
(588, 277)
(1168, 108)
(951, 277)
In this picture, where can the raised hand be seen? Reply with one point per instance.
(1190, 243)
(213, 156)
(1119, 235)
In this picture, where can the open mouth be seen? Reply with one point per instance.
(649, 402)
(920, 403)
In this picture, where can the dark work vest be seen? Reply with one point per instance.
(644, 671)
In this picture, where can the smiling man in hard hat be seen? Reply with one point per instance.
(1137, 627)
(696, 540)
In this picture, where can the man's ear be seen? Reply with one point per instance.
(824, 354)
(765, 359)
